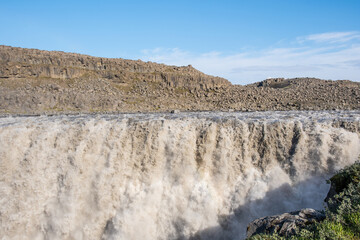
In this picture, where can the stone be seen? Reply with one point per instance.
(284, 224)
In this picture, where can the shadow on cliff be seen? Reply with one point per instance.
(286, 198)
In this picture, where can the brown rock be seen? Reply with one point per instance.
(59, 82)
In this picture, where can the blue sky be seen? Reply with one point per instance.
(244, 41)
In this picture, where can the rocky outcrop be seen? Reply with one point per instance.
(23, 63)
(284, 224)
(342, 201)
(34, 81)
(340, 182)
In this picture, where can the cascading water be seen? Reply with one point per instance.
(165, 176)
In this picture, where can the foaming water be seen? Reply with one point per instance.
(165, 176)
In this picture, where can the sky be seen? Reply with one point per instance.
(244, 41)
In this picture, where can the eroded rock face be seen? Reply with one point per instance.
(22, 63)
(35, 82)
(284, 224)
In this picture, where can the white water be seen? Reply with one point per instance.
(165, 176)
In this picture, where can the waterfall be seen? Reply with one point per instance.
(165, 176)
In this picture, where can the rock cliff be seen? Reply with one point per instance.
(25, 63)
(36, 81)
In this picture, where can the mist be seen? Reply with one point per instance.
(166, 176)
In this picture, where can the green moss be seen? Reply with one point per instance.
(346, 176)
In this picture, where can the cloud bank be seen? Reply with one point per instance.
(333, 55)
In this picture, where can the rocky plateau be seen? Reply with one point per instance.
(36, 82)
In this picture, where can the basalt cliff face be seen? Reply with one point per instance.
(25, 63)
(35, 81)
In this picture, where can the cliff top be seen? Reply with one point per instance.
(36, 81)
(34, 57)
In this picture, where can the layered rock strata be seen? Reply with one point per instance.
(34, 81)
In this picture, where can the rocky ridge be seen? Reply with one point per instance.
(35, 81)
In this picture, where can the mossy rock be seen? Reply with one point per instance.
(344, 177)
(342, 215)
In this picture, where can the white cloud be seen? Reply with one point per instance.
(333, 61)
(165, 55)
(334, 37)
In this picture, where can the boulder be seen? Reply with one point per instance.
(284, 224)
